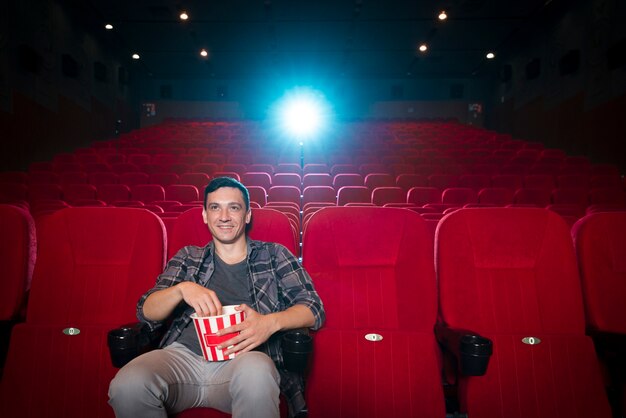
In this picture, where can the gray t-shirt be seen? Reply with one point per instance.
(231, 284)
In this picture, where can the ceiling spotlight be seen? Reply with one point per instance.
(423, 48)
(204, 53)
(184, 15)
(443, 15)
(490, 55)
(108, 26)
(135, 56)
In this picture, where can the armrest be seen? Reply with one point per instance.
(131, 340)
(471, 350)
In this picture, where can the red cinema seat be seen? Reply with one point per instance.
(600, 240)
(183, 193)
(459, 196)
(475, 181)
(406, 181)
(105, 177)
(318, 194)
(344, 169)
(200, 180)
(257, 194)
(10, 192)
(111, 193)
(74, 192)
(147, 193)
(538, 197)
(353, 194)
(376, 355)
(93, 264)
(44, 192)
(133, 179)
(18, 251)
(260, 179)
(383, 195)
(443, 181)
(267, 225)
(289, 194)
(498, 196)
(510, 181)
(423, 195)
(539, 181)
(570, 196)
(510, 275)
(206, 168)
(317, 179)
(374, 180)
(607, 196)
(287, 179)
(164, 179)
(73, 177)
(347, 179)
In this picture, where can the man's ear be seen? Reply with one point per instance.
(204, 216)
(248, 216)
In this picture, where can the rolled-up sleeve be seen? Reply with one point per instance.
(297, 285)
(174, 273)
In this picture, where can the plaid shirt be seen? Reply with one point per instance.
(278, 282)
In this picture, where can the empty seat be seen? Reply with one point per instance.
(443, 181)
(284, 194)
(475, 181)
(353, 194)
(406, 181)
(376, 355)
(510, 274)
(384, 195)
(510, 181)
(287, 179)
(538, 197)
(163, 179)
(317, 179)
(365, 169)
(344, 168)
(498, 196)
(183, 193)
(111, 193)
(319, 194)
(570, 196)
(607, 195)
(459, 196)
(133, 179)
(258, 194)
(93, 264)
(206, 168)
(260, 179)
(44, 192)
(105, 177)
(18, 251)
(539, 181)
(347, 179)
(600, 240)
(74, 192)
(422, 195)
(147, 193)
(200, 180)
(374, 180)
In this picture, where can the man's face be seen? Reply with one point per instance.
(225, 214)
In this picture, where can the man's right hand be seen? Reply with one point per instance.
(204, 301)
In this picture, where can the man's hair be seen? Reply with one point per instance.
(219, 182)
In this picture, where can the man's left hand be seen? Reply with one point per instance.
(253, 331)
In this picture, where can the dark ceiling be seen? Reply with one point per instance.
(357, 39)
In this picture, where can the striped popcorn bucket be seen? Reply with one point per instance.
(207, 326)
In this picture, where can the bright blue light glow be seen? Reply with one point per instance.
(302, 113)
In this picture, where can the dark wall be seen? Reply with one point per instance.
(574, 104)
(59, 84)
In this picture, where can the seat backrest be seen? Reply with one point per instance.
(147, 193)
(510, 274)
(369, 264)
(267, 225)
(284, 194)
(384, 195)
(318, 194)
(423, 195)
(353, 194)
(459, 195)
(93, 264)
(600, 240)
(183, 193)
(508, 270)
(18, 251)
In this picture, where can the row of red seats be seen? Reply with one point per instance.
(510, 275)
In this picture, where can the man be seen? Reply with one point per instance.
(266, 282)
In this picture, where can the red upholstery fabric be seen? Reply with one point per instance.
(510, 273)
(373, 269)
(423, 195)
(284, 194)
(600, 240)
(183, 193)
(18, 251)
(260, 179)
(147, 193)
(267, 225)
(318, 194)
(353, 194)
(93, 264)
(384, 195)
(459, 196)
